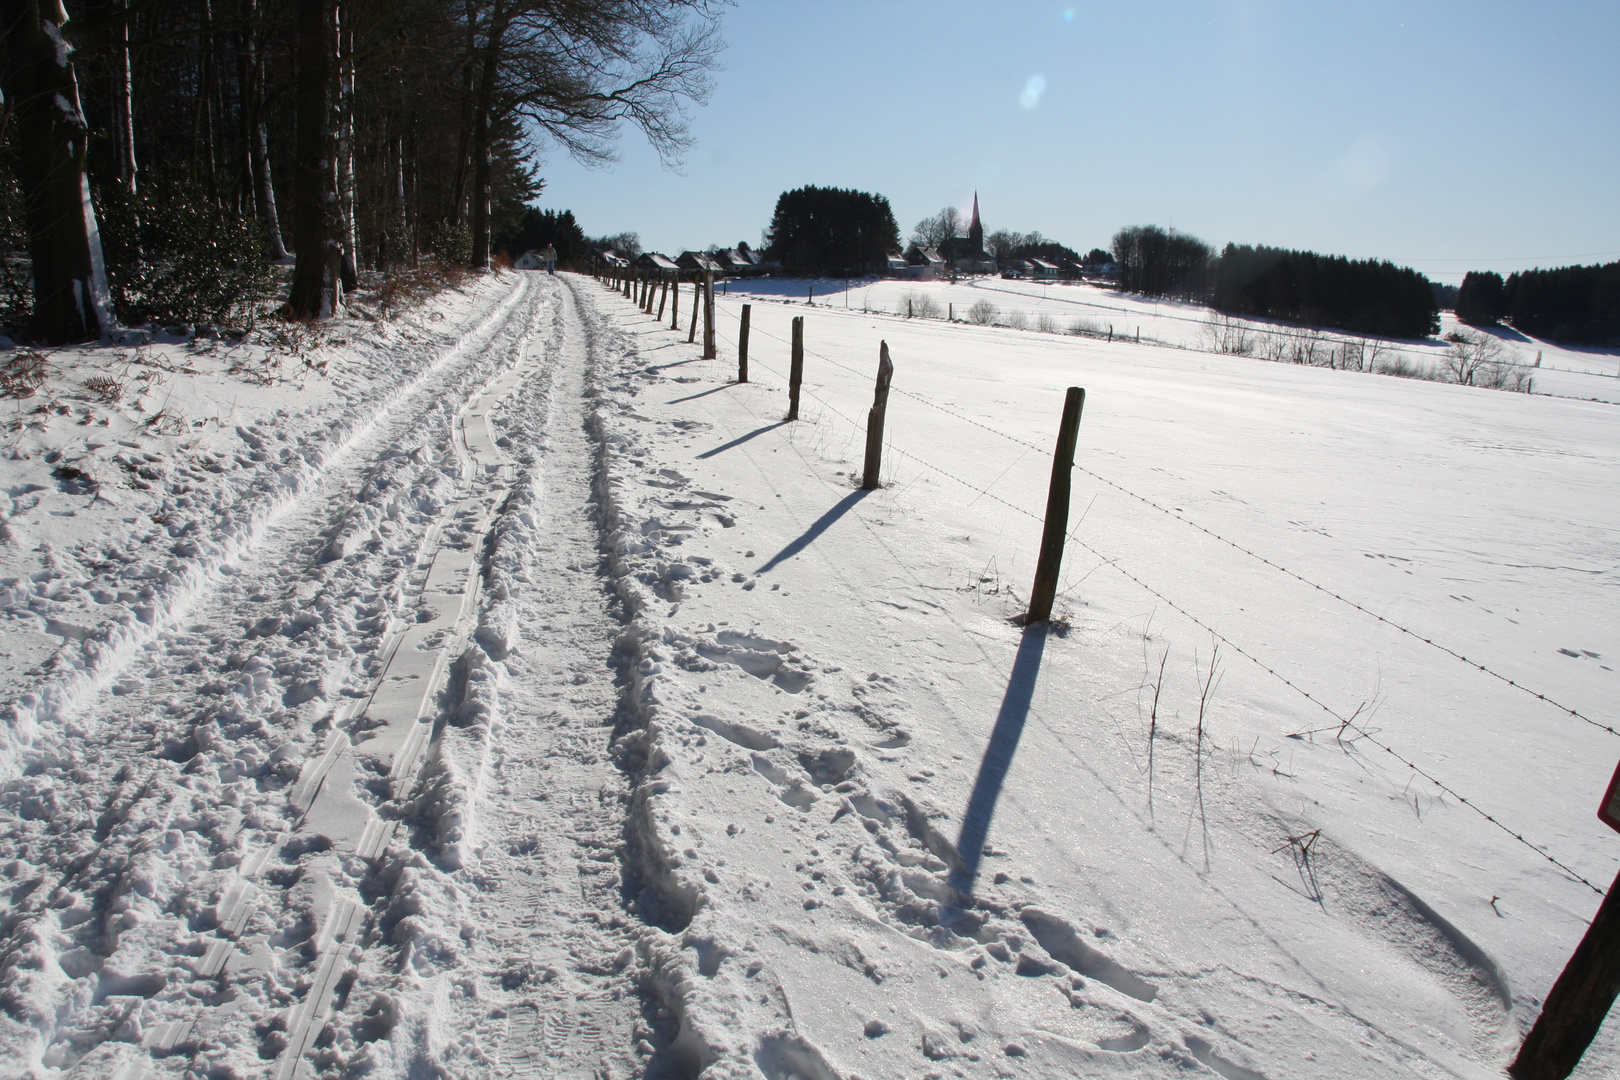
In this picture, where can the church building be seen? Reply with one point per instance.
(966, 254)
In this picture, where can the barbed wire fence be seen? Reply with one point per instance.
(1294, 685)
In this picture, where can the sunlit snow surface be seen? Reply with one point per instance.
(1398, 943)
(767, 707)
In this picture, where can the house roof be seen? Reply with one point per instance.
(657, 261)
(698, 260)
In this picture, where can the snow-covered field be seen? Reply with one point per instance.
(513, 693)
(1069, 307)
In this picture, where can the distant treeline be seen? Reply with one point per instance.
(1570, 303)
(1362, 296)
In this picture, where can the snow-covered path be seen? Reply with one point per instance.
(420, 639)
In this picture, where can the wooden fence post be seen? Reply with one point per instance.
(810, 295)
(709, 351)
(652, 290)
(742, 345)
(950, 312)
(1578, 1001)
(874, 419)
(675, 295)
(796, 368)
(1056, 532)
(697, 295)
(663, 294)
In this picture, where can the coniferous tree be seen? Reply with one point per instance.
(832, 230)
(1481, 298)
(1571, 303)
(1162, 262)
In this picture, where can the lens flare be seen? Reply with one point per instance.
(1034, 87)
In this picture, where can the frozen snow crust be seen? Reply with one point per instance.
(570, 714)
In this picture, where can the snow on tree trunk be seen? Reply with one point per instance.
(70, 281)
(317, 288)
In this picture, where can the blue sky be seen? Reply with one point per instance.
(1444, 136)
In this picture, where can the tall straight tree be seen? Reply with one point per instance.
(70, 282)
(317, 288)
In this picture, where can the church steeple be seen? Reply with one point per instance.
(975, 230)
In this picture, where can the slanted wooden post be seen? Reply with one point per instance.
(663, 294)
(1578, 1001)
(675, 295)
(709, 350)
(742, 345)
(697, 295)
(796, 368)
(874, 420)
(1056, 532)
(652, 290)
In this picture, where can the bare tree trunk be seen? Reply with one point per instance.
(70, 282)
(350, 261)
(259, 136)
(317, 287)
(499, 17)
(459, 186)
(402, 231)
(125, 111)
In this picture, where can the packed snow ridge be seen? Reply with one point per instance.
(504, 690)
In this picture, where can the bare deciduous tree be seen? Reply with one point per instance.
(574, 71)
(933, 231)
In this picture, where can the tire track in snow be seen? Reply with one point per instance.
(516, 956)
(232, 707)
(277, 494)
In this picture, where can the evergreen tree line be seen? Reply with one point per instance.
(832, 230)
(1365, 296)
(1578, 304)
(339, 135)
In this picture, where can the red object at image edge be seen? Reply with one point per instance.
(1609, 811)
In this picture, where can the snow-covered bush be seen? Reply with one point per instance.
(982, 313)
(920, 305)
